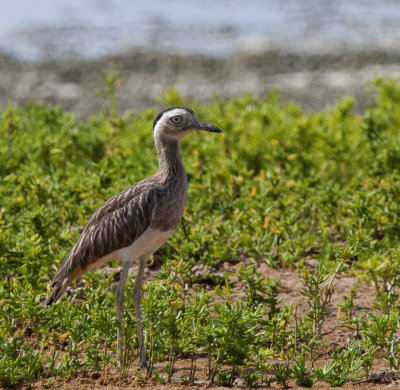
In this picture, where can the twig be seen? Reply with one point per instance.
(380, 377)
(395, 341)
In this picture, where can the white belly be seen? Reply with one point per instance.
(145, 245)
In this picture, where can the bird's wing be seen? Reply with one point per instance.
(115, 225)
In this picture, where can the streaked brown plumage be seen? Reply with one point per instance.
(107, 231)
(134, 223)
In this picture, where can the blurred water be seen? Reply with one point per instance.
(42, 29)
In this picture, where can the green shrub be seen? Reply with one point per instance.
(278, 186)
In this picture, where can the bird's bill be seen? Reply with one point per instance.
(207, 127)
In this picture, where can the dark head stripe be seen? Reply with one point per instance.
(161, 113)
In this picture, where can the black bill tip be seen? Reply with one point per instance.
(207, 127)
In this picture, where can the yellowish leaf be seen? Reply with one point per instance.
(64, 336)
(338, 314)
(266, 222)
(239, 180)
(275, 230)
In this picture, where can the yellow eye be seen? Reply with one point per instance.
(176, 119)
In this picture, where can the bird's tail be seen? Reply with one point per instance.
(66, 273)
(57, 290)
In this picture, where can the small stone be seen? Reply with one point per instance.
(197, 267)
(201, 382)
(238, 382)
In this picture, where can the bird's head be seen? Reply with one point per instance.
(177, 122)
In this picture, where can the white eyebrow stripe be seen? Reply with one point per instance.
(174, 112)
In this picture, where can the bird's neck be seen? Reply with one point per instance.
(169, 158)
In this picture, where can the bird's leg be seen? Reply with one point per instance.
(120, 298)
(137, 297)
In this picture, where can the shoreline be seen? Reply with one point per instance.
(312, 81)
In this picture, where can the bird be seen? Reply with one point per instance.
(133, 224)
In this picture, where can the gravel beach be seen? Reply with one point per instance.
(312, 81)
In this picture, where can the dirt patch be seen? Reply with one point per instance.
(112, 380)
(289, 291)
(311, 81)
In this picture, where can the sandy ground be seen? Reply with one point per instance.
(311, 81)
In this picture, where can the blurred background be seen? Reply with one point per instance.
(315, 51)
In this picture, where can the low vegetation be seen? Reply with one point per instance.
(279, 186)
